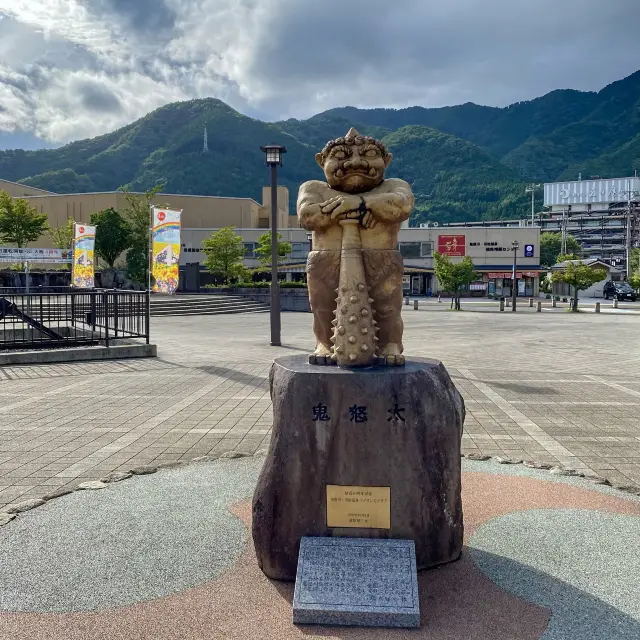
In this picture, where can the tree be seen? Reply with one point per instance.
(62, 236)
(453, 277)
(634, 260)
(20, 223)
(551, 245)
(137, 213)
(225, 255)
(579, 276)
(263, 250)
(113, 235)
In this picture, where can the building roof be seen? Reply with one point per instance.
(20, 184)
(48, 194)
(590, 262)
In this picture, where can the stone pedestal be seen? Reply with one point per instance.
(387, 427)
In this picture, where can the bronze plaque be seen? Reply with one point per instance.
(360, 507)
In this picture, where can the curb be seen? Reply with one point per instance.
(10, 513)
(554, 470)
(80, 354)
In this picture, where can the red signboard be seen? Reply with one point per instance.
(451, 245)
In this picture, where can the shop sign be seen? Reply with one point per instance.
(451, 245)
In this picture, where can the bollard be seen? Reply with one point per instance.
(554, 303)
(531, 302)
(615, 303)
(415, 305)
(501, 305)
(406, 300)
(597, 307)
(539, 306)
(508, 302)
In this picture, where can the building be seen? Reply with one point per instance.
(17, 190)
(594, 291)
(198, 211)
(603, 216)
(490, 250)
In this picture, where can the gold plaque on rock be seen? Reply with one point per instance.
(360, 507)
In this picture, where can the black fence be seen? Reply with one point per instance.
(45, 320)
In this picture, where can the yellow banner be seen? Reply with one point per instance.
(83, 256)
(165, 250)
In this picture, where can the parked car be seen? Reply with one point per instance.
(619, 290)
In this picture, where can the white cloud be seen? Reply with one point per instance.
(77, 68)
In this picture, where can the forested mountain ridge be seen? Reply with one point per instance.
(464, 162)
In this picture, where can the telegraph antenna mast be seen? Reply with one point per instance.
(205, 145)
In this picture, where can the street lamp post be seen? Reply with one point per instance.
(515, 245)
(274, 154)
(532, 188)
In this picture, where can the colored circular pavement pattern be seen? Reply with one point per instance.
(168, 556)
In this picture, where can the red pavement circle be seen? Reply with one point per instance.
(457, 601)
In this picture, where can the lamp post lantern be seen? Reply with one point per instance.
(274, 153)
(515, 246)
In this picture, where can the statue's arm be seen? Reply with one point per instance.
(394, 203)
(311, 198)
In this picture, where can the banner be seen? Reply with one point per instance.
(84, 241)
(15, 254)
(165, 249)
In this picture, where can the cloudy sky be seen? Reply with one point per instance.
(71, 69)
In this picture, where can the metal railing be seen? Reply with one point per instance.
(74, 318)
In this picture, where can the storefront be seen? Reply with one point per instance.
(500, 283)
(417, 282)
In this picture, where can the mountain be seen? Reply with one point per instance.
(464, 162)
(612, 122)
(453, 179)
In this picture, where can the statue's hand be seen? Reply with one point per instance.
(340, 205)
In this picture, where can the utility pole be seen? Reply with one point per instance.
(563, 248)
(532, 188)
(628, 233)
(205, 144)
(514, 289)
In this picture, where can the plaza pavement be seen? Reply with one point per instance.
(553, 387)
(169, 556)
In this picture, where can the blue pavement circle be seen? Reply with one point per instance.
(583, 565)
(136, 540)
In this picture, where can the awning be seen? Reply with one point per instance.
(509, 274)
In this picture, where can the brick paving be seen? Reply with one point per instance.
(553, 387)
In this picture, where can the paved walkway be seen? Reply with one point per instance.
(169, 556)
(560, 388)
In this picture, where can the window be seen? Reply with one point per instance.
(249, 249)
(410, 249)
(416, 249)
(426, 249)
(299, 249)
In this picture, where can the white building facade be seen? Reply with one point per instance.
(490, 249)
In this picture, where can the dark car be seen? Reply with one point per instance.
(619, 290)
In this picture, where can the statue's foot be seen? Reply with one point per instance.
(322, 356)
(390, 356)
